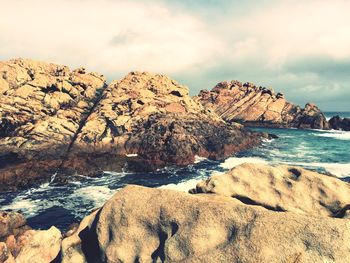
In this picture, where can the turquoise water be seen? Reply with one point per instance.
(330, 114)
(46, 205)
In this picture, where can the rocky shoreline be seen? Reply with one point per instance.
(54, 121)
(259, 106)
(253, 213)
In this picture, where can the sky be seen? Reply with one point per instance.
(300, 48)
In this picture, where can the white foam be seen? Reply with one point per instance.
(131, 155)
(98, 194)
(26, 205)
(183, 186)
(340, 135)
(340, 170)
(235, 161)
(198, 159)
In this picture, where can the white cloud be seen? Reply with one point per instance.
(285, 30)
(108, 36)
(287, 44)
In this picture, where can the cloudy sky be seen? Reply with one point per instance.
(301, 48)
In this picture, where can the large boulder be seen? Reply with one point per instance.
(259, 106)
(282, 188)
(156, 225)
(54, 121)
(338, 123)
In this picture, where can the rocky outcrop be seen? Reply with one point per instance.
(57, 121)
(338, 123)
(254, 213)
(259, 106)
(282, 188)
(42, 107)
(151, 225)
(153, 117)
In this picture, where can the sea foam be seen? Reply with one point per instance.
(235, 161)
(340, 135)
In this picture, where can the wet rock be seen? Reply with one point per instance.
(259, 106)
(338, 123)
(11, 223)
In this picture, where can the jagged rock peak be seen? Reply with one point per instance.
(57, 121)
(259, 106)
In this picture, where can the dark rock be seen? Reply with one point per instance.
(338, 123)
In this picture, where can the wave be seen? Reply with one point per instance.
(182, 186)
(235, 161)
(340, 170)
(198, 159)
(340, 135)
(97, 194)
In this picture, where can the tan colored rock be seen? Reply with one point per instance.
(57, 121)
(72, 246)
(41, 109)
(10, 223)
(259, 106)
(282, 188)
(154, 117)
(43, 247)
(154, 225)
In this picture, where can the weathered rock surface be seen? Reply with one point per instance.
(258, 106)
(11, 223)
(282, 188)
(42, 107)
(338, 123)
(43, 247)
(152, 225)
(53, 120)
(154, 117)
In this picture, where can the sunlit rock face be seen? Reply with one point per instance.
(57, 121)
(259, 106)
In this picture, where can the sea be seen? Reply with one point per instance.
(61, 205)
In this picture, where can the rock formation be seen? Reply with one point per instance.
(57, 121)
(259, 106)
(14, 235)
(254, 213)
(338, 123)
(282, 188)
(151, 225)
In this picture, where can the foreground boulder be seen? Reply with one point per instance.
(282, 188)
(338, 123)
(153, 225)
(259, 106)
(54, 121)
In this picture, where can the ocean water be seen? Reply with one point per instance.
(324, 151)
(330, 114)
